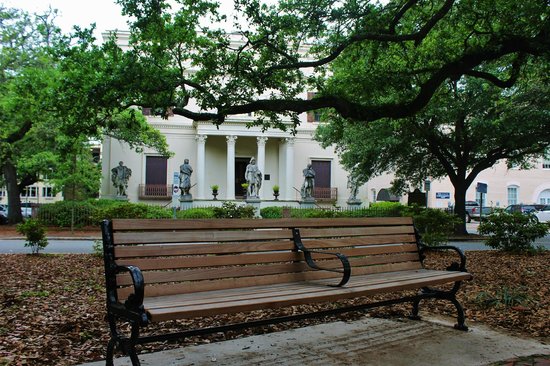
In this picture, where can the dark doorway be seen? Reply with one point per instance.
(240, 169)
(155, 176)
(322, 190)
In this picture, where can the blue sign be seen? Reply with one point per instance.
(481, 188)
(442, 195)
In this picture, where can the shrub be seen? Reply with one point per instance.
(231, 210)
(35, 233)
(271, 212)
(126, 210)
(512, 232)
(63, 213)
(196, 213)
(433, 224)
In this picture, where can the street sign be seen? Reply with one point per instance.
(176, 191)
(481, 187)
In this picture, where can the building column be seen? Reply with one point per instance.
(230, 189)
(289, 169)
(201, 165)
(261, 159)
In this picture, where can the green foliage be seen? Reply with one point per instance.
(127, 210)
(433, 225)
(63, 213)
(271, 212)
(35, 234)
(196, 213)
(503, 297)
(512, 232)
(97, 248)
(275, 189)
(230, 210)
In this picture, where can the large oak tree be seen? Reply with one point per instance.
(365, 60)
(50, 109)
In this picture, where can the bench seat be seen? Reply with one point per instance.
(243, 299)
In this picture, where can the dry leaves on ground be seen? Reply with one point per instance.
(52, 308)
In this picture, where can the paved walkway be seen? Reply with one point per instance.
(369, 341)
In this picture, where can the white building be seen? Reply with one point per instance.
(219, 157)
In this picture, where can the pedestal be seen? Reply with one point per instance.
(186, 202)
(254, 202)
(354, 204)
(308, 202)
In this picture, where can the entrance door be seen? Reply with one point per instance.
(322, 179)
(155, 176)
(240, 169)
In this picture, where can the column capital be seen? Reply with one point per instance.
(289, 140)
(201, 138)
(261, 140)
(231, 139)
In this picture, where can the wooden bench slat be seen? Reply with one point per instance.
(199, 236)
(200, 249)
(358, 241)
(146, 264)
(204, 224)
(307, 233)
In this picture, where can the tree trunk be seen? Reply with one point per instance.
(460, 206)
(14, 195)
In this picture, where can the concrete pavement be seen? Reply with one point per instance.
(369, 341)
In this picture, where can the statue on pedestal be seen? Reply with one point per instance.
(185, 177)
(120, 176)
(253, 177)
(309, 183)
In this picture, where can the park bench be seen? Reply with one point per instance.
(162, 270)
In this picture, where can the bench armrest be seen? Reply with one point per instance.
(346, 271)
(135, 300)
(454, 265)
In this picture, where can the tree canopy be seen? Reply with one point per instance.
(365, 60)
(48, 113)
(469, 126)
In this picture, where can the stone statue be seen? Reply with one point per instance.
(253, 177)
(309, 182)
(353, 187)
(120, 176)
(185, 177)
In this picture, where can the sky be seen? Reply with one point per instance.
(105, 13)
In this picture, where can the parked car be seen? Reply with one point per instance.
(3, 214)
(475, 213)
(524, 208)
(26, 211)
(543, 215)
(473, 210)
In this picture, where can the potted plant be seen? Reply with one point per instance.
(245, 189)
(214, 188)
(276, 192)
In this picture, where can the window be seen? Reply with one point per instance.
(513, 195)
(373, 192)
(2, 192)
(29, 192)
(313, 116)
(544, 197)
(546, 160)
(47, 192)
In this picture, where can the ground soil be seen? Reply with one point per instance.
(52, 308)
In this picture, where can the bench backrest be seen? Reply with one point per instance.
(185, 256)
